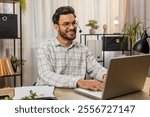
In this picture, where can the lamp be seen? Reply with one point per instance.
(116, 25)
(116, 22)
(141, 45)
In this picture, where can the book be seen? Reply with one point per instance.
(42, 92)
(6, 68)
(1, 68)
(9, 66)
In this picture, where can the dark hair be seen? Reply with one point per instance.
(64, 10)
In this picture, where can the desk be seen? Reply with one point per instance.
(69, 94)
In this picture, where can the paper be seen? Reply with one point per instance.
(41, 91)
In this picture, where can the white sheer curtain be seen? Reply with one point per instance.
(38, 27)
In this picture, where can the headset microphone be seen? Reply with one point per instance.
(80, 31)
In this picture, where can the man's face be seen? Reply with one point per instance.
(67, 27)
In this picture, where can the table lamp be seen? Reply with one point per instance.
(116, 25)
(141, 45)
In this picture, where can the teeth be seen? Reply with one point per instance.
(71, 32)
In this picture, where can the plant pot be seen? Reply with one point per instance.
(92, 31)
(15, 70)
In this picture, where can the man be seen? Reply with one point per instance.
(63, 62)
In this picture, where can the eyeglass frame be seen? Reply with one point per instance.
(68, 24)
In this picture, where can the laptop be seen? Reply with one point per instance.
(125, 75)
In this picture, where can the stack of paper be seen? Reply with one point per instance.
(42, 92)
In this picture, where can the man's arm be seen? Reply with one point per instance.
(94, 69)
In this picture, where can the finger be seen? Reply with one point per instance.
(99, 87)
(99, 84)
(93, 88)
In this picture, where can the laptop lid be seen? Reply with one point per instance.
(126, 75)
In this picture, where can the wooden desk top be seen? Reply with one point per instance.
(69, 94)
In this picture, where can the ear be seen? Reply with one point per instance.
(56, 27)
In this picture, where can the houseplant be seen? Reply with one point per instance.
(133, 31)
(16, 62)
(22, 4)
(93, 24)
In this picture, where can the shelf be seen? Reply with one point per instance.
(15, 74)
(14, 38)
(8, 1)
(104, 34)
(110, 42)
(9, 38)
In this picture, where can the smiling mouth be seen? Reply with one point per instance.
(71, 32)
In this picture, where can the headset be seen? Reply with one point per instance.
(80, 31)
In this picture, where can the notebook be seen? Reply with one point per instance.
(126, 74)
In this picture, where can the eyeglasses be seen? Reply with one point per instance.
(68, 24)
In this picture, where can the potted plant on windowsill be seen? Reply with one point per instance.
(93, 24)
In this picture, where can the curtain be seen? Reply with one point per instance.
(139, 9)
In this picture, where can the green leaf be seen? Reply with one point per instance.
(23, 4)
(93, 24)
(134, 30)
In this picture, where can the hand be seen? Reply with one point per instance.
(94, 85)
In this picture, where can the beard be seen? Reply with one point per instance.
(68, 34)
